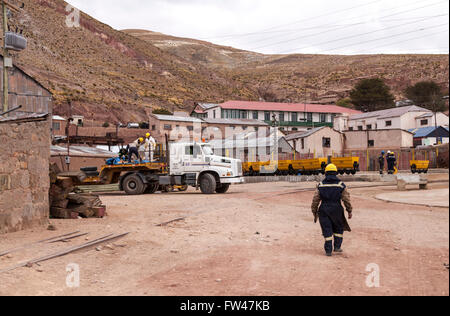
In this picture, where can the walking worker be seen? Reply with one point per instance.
(381, 160)
(391, 161)
(329, 194)
(133, 149)
(150, 145)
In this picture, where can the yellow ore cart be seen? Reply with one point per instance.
(419, 166)
(346, 165)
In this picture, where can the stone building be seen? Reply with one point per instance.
(24, 154)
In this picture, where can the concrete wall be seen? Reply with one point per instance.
(389, 138)
(24, 179)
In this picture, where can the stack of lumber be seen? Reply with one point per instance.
(68, 205)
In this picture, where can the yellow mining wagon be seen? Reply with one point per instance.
(419, 166)
(253, 168)
(310, 166)
(346, 165)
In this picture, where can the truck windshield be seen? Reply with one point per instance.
(207, 150)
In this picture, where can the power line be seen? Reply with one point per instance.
(382, 38)
(323, 32)
(264, 31)
(407, 40)
(362, 34)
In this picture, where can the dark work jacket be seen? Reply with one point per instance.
(331, 195)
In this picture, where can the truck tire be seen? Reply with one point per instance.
(152, 188)
(208, 184)
(223, 188)
(133, 185)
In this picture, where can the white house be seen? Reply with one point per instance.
(402, 118)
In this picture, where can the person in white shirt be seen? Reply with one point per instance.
(150, 146)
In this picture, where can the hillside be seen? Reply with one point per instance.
(319, 78)
(109, 75)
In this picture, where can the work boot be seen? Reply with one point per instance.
(338, 250)
(329, 254)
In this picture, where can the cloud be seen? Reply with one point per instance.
(287, 26)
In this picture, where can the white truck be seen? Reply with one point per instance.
(186, 164)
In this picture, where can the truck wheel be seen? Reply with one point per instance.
(208, 184)
(133, 185)
(223, 188)
(151, 188)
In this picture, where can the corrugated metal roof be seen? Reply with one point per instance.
(82, 151)
(23, 117)
(286, 107)
(177, 118)
(425, 131)
(58, 118)
(394, 112)
(304, 133)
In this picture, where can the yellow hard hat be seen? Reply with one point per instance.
(148, 135)
(141, 140)
(331, 168)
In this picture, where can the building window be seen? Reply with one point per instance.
(214, 114)
(350, 128)
(255, 115)
(294, 129)
(243, 115)
(266, 116)
(294, 117)
(360, 128)
(281, 116)
(369, 127)
(309, 117)
(190, 128)
(167, 127)
(256, 128)
(323, 118)
(423, 122)
(371, 143)
(56, 126)
(326, 142)
(303, 143)
(153, 127)
(388, 123)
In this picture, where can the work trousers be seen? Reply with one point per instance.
(331, 231)
(133, 151)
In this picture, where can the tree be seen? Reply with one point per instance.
(372, 95)
(429, 95)
(106, 125)
(345, 102)
(162, 111)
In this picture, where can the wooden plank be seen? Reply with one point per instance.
(67, 238)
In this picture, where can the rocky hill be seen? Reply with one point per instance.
(315, 78)
(110, 75)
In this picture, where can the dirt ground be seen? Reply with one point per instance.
(259, 239)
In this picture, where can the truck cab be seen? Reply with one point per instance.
(196, 164)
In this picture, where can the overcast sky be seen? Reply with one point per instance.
(289, 26)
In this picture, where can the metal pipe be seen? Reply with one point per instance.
(12, 110)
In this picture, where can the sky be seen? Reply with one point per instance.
(288, 26)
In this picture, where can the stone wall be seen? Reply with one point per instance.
(24, 179)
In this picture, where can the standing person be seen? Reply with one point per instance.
(330, 214)
(133, 149)
(381, 160)
(391, 161)
(150, 145)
